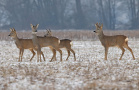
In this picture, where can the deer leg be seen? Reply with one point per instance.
(123, 50)
(73, 53)
(32, 53)
(19, 55)
(38, 55)
(42, 55)
(60, 53)
(68, 54)
(39, 52)
(54, 54)
(126, 46)
(22, 51)
(106, 52)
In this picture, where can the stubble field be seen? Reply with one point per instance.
(89, 71)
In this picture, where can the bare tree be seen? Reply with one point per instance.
(80, 18)
(61, 14)
(106, 12)
(133, 6)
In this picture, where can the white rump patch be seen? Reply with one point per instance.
(126, 39)
(59, 41)
(71, 43)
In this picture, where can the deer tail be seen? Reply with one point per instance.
(71, 43)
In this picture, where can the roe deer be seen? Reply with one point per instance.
(23, 44)
(120, 41)
(40, 42)
(64, 43)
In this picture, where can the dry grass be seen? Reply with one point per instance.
(73, 35)
(89, 72)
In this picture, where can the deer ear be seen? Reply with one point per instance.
(96, 24)
(101, 25)
(37, 25)
(31, 25)
(14, 30)
(49, 30)
(11, 29)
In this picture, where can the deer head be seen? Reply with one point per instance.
(98, 28)
(34, 28)
(12, 33)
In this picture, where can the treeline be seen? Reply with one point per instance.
(69, 14)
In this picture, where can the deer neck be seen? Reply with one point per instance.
(34, 35)
(101, 36)
(16, 39)
(34, 38)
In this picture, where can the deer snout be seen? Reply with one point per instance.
(94, 31)
(9, 35)
(35, 31)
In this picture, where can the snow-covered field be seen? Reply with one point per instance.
(90, 71)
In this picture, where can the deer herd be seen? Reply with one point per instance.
(37, 42)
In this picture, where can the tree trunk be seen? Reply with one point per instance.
(80, 18)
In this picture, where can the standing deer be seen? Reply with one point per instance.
(40, 42)
(120, 41)
(64, 43)
(23, 44)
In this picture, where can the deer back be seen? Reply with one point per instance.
(26, 43)
(65, 43)
(48, 41)
(116, 40)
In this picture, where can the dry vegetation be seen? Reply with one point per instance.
(90, 71)
(73, 35)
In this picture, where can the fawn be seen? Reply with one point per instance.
(40, 42)
(120, 41)
(64, 43)
(23, 44)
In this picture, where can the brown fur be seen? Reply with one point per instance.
(40, 42)
(23, 44)
(64, 43)
(120, 41)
